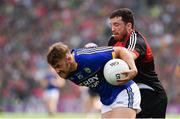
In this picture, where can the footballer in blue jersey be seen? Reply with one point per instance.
(89, 73)
(51, 84)
(84, 67)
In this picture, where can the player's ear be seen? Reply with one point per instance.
(68, 58)
(129, 26)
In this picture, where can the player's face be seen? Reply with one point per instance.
(62, 68)
(118, 28)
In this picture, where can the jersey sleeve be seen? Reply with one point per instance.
(137, 45)
(94, 55)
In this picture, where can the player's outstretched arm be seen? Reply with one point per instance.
(125, 55)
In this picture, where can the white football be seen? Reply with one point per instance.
(112, 70)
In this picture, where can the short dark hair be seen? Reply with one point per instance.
(56, 52)
(125, 13)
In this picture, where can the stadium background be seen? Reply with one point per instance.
(29, 27)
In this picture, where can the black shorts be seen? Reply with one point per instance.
(153, 104)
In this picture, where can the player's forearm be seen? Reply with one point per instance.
(126, 56)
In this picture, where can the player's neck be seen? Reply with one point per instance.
(129, 32)
(125, 37)
(74, 66)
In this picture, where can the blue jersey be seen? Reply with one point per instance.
(89, 72)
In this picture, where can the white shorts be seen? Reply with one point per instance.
(129, 97)
(51, 94)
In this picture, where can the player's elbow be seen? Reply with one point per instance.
(135, 71)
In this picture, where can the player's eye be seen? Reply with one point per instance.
(116, 24)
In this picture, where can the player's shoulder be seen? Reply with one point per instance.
(139, 35)
(93, 50)
(136, 38)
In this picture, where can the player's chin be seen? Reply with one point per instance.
(116, 37)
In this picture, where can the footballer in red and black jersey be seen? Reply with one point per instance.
(136, 43)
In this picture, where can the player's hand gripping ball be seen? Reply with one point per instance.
(113, 70)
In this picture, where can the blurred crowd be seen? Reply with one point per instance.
(29, 27)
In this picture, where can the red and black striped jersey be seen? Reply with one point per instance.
(138, 44)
